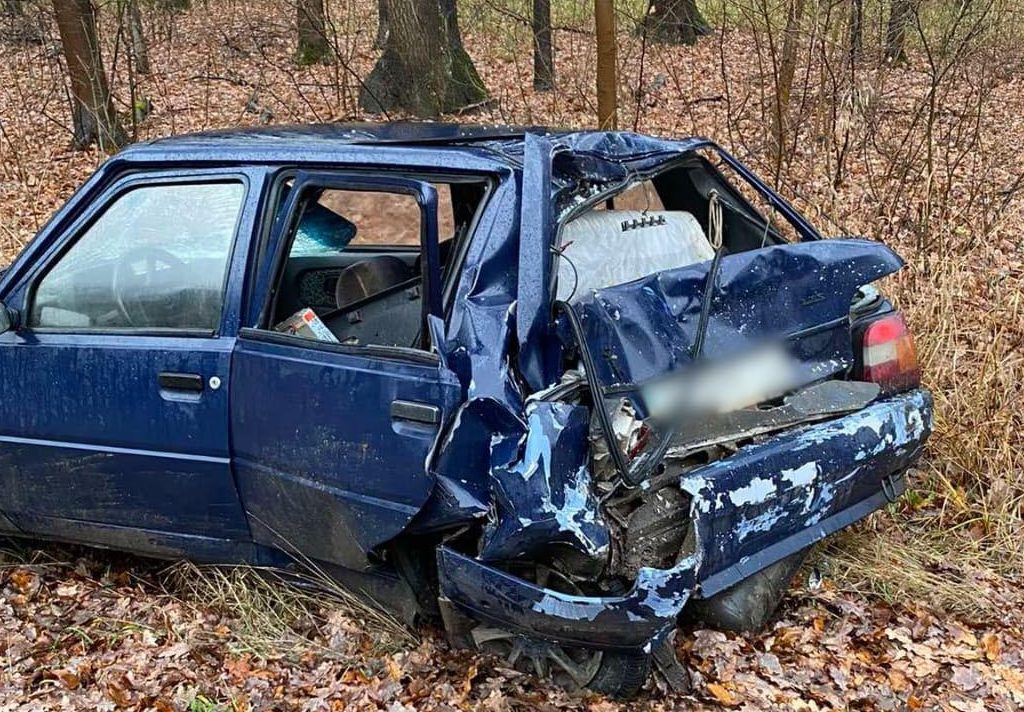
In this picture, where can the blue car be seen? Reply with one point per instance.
(556, 390)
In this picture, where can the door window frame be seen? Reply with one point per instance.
(275, 249)
(118, 188)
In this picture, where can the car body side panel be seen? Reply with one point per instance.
(533, 295)
(323, 466)
(749, 504)
(6, 525)
(87, 434)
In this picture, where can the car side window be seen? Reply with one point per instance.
(353, 273)
(340, 218)
(156, 258)
(355, 262)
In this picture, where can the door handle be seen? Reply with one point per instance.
(190, 382)
(415, 412)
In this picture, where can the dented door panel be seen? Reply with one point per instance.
(325, 466)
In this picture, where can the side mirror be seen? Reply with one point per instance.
(8, 318)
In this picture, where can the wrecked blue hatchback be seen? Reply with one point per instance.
(556, 390)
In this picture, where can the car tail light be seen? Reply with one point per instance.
(890, 359)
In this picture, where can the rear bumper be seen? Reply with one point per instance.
(750, 510)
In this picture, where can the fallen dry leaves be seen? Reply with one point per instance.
(102, 633)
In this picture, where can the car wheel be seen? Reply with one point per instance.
(749, 605)
(621, 674)
(613, 673)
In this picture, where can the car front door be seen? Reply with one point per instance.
(331, 433)
(114, 425)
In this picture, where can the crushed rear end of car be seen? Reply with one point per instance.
(669, 406)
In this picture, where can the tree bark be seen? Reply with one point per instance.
(896, 31)
(784, 82)
(140, 52)
(311, 21)
(543, 52)
(676, 22)
(856, 30)
(382, 24)
(607, 61)
(424, 69)
(92, 107)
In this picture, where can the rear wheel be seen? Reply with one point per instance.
(749, 605)
(613, 673)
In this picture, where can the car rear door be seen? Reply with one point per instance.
(114, 425)
(331, 441)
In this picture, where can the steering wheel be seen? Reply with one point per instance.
(143, 276)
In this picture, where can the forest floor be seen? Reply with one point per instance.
(917, 608)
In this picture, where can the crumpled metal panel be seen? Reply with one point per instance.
(542, 490)
(644, 329)
(537, 361)
(777, 497)
(750, 510)
(633, 621)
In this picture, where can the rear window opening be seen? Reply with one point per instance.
(665, 222)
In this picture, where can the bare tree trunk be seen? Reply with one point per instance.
(607, 82)
(676, 21)
(856, 30)
(138, 40)
(466, 88)
(312, 26)
(92, 108)
(784, 82)
(896, 32)
(382, 24)
(543, 54)
(424, 69)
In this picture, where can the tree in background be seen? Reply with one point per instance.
(312, 25)
(92, 108)
(676, 21)
(607, 65)
(896, 31)
(382, 24)
(856, 30)
(784, 84)
(543, 52)
(140, 53)
(424, 69)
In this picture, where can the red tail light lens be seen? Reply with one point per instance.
(890, 359)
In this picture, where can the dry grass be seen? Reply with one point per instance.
(278, 616)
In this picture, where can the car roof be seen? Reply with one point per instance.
(504, 143)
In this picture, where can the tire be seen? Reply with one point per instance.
(621, 675)
(749, 605)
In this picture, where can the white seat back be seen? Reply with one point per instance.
(610, 247)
